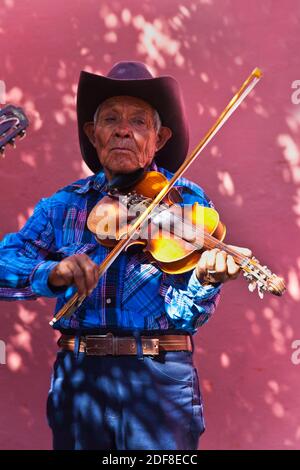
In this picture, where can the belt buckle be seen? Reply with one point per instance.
(98, 348)
(150, 346)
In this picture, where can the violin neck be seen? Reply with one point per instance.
(211, 242)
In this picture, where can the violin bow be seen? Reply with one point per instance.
(75, 301)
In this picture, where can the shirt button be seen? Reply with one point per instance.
(108, 301)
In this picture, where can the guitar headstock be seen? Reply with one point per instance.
(13, 123)
(262, 278)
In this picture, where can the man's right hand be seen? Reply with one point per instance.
(76, 269)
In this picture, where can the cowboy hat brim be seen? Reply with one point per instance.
(163, 93)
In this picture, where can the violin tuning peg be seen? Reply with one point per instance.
(260, 294)
(2, 149)
(252, 286)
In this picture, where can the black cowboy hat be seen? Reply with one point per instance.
(134, 79)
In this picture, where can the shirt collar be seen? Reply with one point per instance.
(100, 181)
(97, 182)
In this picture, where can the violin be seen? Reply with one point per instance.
(174, 236)
(148, 213)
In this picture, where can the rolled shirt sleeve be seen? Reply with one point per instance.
(188, 303)
(24, 263)
(39, 280)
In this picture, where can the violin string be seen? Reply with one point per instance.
(209, 240)
(207, 237)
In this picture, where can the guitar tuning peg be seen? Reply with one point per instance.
(22, 134)
(252, 286)
(12, 142)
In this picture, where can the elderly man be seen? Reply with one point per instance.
(126, 396)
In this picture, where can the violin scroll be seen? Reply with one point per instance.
(262, 278)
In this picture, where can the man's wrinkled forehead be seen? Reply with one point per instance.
(132, 101)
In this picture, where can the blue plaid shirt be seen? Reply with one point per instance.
(133, 293)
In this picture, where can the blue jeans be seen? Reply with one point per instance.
(123, 403)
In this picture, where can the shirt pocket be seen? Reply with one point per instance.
(140, 293)
(172, 367)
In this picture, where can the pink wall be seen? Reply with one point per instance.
(251, 170)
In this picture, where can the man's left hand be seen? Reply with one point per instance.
(217, 266)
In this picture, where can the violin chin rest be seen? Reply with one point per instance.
(124, 181)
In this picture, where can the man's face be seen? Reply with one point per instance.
(124, 135)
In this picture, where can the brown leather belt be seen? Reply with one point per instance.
(104, 345)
